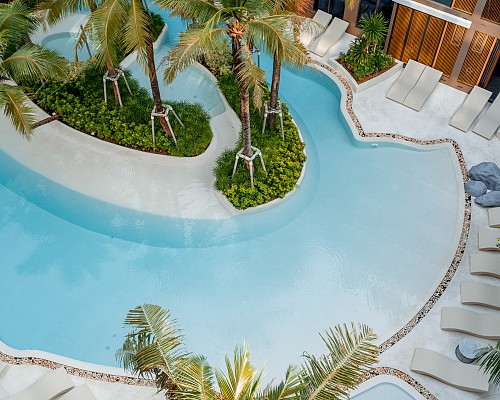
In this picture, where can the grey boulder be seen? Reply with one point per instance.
(486, 172)
(490, 199)
(475, 188)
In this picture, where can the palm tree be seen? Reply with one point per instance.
(154, 349)
(489, 361)
(238, 24)
(22, 61)
(295, 55)
(55, 10)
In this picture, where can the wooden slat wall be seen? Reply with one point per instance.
(431, 41)
(399, 31)
(474, 63)
(415, 36)
(491, 11)
(466, 6)
(449, 48)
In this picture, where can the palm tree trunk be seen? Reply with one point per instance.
(155, 88)
(109, 63)
(275, 86)
(245, 122)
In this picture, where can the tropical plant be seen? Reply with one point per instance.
(154, 349)
(54, 11)
(240, 25)
(291, 52)
(20, 60)
(489, 362)
(365, 55)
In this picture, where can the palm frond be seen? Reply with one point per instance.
(289, 389)
(192, 44)
(242, 379)
(32, 61)
(351, 353)
(15, 105)
(154, 348)
(201, 10)
(107, 23)
(489, 362)
(137, 32)
(16, 19)
(195, 380)
(54, 11)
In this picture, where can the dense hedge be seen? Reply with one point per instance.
(284, 159)
(80, 102)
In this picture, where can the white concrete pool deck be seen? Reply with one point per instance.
(157, 184)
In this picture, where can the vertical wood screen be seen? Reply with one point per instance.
(477, 56)
(491, 11)
(466, 6)
(414, 37)
(449, 48)
(431, 41)
(399, 31)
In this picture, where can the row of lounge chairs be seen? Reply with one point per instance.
(55, 384)
(452, 372)
(331, 33)
(468, 112)
(414, 85)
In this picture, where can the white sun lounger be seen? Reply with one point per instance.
(423, 89)
(461, 320)
(81, 392)
(470, 109)
(327, 39)
(3, 368)
(480, 294)
(488, 124)
(488, 240)
(49, 386)
(452, 372)
(308, 35)
(406, 81)
(485, 263)
(494, 217)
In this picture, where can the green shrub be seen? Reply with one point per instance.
(220, 63)
(365, 55)
(80, 102)
(284, 160)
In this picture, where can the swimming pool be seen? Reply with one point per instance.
(367, 227)
(64, 43)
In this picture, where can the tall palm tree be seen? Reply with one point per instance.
(22, 61)
(54, 11)
(238, 24)
(295, 55)
(154, 349)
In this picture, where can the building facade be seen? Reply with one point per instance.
(461, 38)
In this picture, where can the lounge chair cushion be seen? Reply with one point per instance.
(49, 386)
(488, 124)
(81, 392)
(328, 38)
(452, 372)
(489, 239)
(470, 109)
(485, 263)
(494, 217)
(423, 89)
(477, 324)
(481, 294)
(308, 34)
(406, 81)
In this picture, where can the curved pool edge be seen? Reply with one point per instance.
(461, 175)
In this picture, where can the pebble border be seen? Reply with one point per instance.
(385, 345)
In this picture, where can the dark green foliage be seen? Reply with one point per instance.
(365, 55)
(284, 159)
(81, 104)
(157, 26)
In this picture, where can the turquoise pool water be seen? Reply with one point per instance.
(366, 238)
(384, 391)
(64, 43)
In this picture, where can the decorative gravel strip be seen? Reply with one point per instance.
(385, 345)
(401, 375)
(99, 376)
